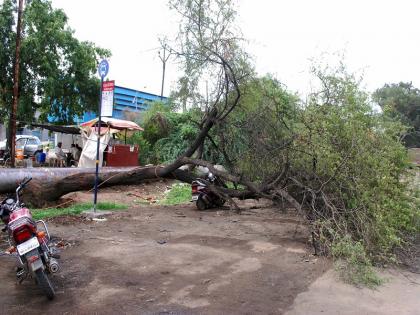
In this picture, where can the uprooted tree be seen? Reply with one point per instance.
(341, 165)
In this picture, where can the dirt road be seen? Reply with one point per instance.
(175, 260)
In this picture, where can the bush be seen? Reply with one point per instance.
(345, 163)
(361, 169)
(179, 193)
(352, 263)
(166, 134)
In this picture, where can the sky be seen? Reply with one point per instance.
(380, 39)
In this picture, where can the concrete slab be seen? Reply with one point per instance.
(90, 214)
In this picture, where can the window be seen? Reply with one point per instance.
(20, 143)
(32, 142)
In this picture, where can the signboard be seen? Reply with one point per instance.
(107, 98)
(103, 68)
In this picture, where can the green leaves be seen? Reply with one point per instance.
(361, 154)
(166, 133)
(57, 71)
(7, 48)
(402, 101)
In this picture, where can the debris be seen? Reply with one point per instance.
(206, 281)
(60, 244)
(99, 219)
(63, 244)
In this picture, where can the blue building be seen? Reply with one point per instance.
(125, 101)
(128, 100)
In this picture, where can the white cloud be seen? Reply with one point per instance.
(379, 37)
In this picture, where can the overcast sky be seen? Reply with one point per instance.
(380, 38)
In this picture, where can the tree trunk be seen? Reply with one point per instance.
(39, 192)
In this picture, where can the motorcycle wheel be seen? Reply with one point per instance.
(201, 204)
(45, 284)
(219, 202)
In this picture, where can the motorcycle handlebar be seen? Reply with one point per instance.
(21, 186)
(26, 182)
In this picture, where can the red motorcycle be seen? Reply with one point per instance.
(29, 242)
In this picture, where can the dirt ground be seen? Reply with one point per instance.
(131, 195)
(175, 260)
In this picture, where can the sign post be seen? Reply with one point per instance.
(103, 69)
(107, 98)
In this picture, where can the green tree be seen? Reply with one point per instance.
(402, 100)
(212, 59)
(7, 48)
(57, 70)
(253, 139)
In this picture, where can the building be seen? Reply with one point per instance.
(128, 101)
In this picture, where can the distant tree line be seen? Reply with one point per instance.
(402, 100)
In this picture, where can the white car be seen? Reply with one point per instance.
(29, 144)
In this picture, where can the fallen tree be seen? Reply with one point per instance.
(333, 159)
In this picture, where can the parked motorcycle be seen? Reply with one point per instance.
(202, 195)
(29, 242)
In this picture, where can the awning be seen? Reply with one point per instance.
(114, 123)
(73, 130)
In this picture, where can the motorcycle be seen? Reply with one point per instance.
(29, 242)
(203, 197)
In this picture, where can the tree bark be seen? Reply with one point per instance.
(38, 192)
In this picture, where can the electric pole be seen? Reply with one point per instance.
(12, 121)
(164, 59)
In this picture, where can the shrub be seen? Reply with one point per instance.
(352, 263)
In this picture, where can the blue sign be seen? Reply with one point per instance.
(103, 68)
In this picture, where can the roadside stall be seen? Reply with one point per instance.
(113, 148)
(68, 136)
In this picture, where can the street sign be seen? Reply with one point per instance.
(103, 68)
(107, 98)
(105, 109)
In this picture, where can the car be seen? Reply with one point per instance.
(29, 144)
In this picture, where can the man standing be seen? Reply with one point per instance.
(59, 153)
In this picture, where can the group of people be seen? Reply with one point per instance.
(72, 158)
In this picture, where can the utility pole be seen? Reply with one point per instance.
(164, 59)
(12, 121)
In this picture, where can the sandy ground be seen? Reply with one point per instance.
(176, 260)
(327, 295)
